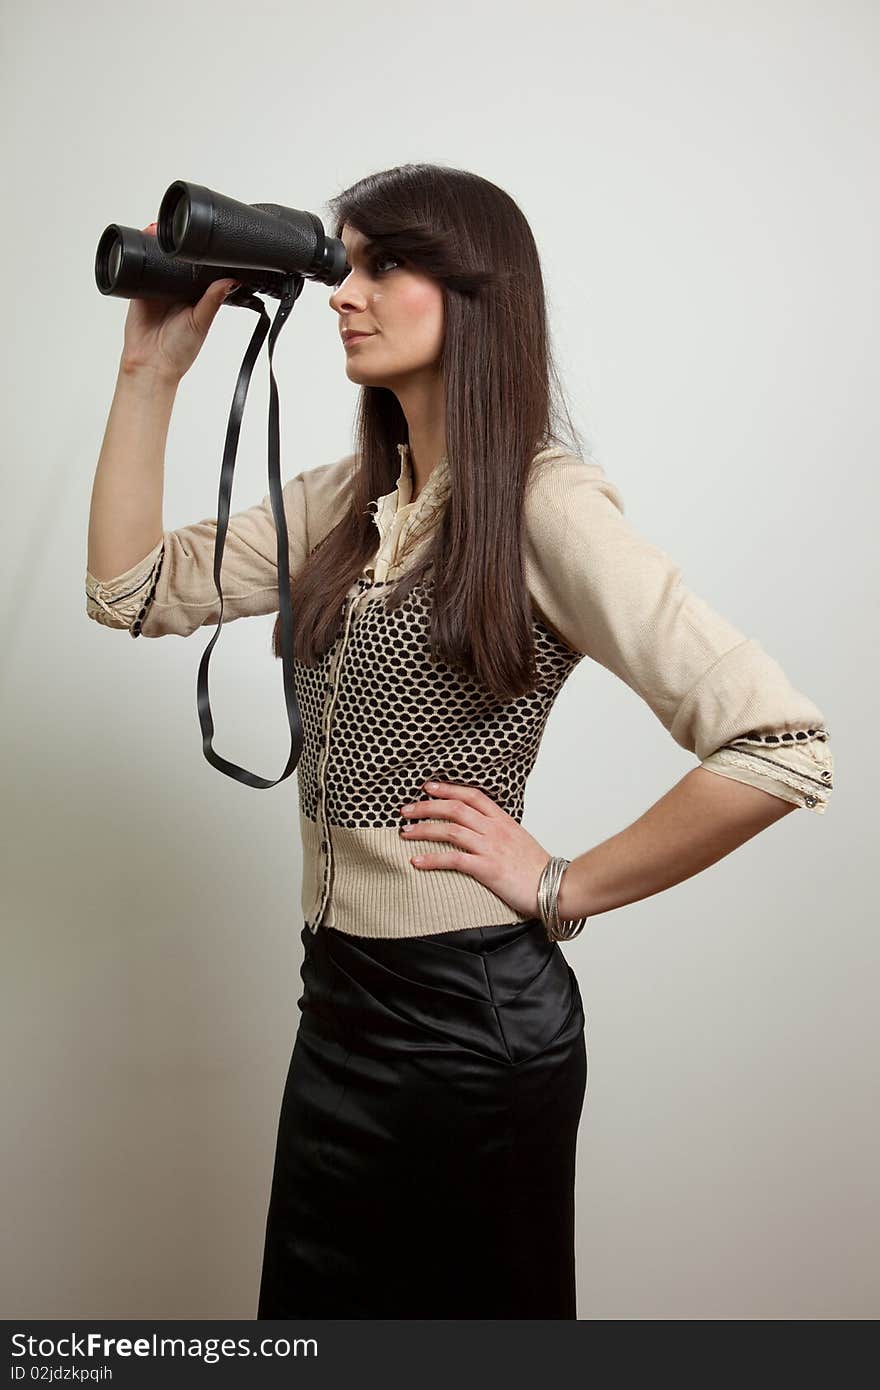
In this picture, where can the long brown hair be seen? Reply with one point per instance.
(497, 366)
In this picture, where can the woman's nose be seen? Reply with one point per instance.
(346, 296)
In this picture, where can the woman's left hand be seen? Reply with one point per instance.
(488, 844)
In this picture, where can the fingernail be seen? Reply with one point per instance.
(233, 285)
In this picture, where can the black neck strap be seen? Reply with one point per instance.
(292, 288)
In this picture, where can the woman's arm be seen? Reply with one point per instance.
(613, 595)
(125, 520)
(699, 820)
(185, 594)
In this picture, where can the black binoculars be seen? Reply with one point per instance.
(204, 236)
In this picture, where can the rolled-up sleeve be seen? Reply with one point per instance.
(796, 765)
(117, 602)
(614, 596)
(172, 589)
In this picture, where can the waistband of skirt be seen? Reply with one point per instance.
(479, 939)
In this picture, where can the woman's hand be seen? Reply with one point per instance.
(488, 844)
(164, 337)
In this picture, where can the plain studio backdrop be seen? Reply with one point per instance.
(701, 182)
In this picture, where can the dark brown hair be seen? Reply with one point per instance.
(497, 368)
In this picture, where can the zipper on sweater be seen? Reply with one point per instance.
(350, 603)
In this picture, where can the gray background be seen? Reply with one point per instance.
(701, 182)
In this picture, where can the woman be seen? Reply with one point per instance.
(446, 580)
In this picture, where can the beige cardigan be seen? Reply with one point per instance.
(376, 727)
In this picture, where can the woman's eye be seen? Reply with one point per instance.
(376, 264)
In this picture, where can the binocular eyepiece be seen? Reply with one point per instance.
(204, 236)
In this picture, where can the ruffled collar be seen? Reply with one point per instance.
(419, 515)
(431, 497)
(435, 489)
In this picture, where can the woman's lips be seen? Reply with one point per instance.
(357, 338)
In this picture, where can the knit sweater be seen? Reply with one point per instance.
(380, 716)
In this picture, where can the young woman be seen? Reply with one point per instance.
(447, 578)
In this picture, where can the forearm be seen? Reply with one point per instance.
(699, 820)
(125, 520)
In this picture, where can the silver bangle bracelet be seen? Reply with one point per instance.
(548, 892)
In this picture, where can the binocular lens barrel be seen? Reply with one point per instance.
(109, 259)
(202, 235)
(200, 225)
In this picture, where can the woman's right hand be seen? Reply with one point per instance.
(164, 337)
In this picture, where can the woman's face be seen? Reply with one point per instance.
(399, 307)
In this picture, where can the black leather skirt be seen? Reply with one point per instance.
(425, 1160)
